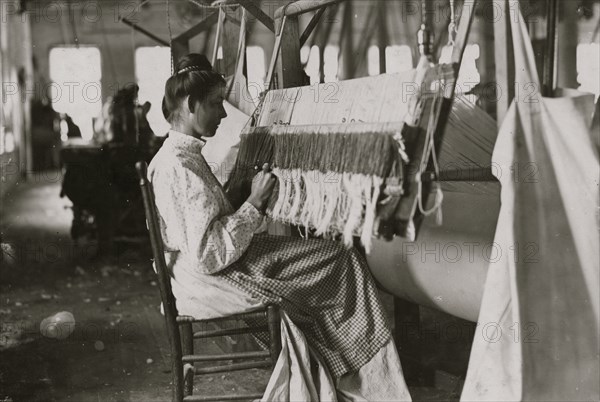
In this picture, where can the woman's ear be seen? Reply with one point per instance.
(185, 105)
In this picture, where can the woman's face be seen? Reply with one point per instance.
(208, 114)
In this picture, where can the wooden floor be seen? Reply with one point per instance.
(118, 350)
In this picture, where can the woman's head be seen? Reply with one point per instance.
(194, 96)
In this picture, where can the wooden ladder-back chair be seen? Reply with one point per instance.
(181, 341)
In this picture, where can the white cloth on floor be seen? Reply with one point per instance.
(380, 379)
(300, 375)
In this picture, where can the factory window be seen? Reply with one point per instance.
(398, 58)
(588, 68)
(152, 69)
(310, 59)
(76, 88)
(255, 64)
(373, 60)
(468, 76)
(330, 63)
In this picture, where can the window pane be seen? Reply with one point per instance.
(468, 76)
(373, 60)
(588, 67)
(330, 60)
(311, 58)
(255, 60)
(76, 89)
(398, 58)
(152, 69)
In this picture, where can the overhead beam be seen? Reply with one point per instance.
(301, 7)
(259, 14)
(311, 26)
(143, 31)
(198, 28)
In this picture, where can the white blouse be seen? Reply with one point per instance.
(201, 232)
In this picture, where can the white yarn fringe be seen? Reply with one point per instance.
(330, 203)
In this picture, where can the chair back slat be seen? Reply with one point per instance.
(164, 279)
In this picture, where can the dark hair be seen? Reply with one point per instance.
(194, 77)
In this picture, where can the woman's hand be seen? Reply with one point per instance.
(262, 187)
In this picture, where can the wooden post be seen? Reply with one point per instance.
(548, 81)
(347, 38)
(505, 65)
(229, 40)
(566, 68)
(383, 40)
(407, 337)
(179, 48)
(274, 324)
(288, 66)
(324, 40)
(486, 64)
(362, 50)
(187, 343)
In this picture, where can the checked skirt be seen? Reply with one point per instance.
(326, 289)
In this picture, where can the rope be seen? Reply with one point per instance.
(452, 25)
(437, 101)
(220, 27)
(170, 36)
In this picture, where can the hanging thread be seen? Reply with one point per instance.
(170, 36)
(452, 25)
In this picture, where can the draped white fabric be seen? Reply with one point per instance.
(300, 375)
(538, 332)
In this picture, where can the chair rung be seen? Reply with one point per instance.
(232, 397)
(232, 367)
(225, 356)
(232, 331)
(243, 316)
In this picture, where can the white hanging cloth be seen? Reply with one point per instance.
(537, 335)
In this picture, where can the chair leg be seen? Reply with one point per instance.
(187, 338)
(274, 322)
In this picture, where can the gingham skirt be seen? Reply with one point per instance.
(326, 289)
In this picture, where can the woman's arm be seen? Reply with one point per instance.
(239, 193)
(195, 222)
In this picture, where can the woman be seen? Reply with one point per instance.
(221, 265)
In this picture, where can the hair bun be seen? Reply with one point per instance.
(195, 86)
(193, 62)
(191, 68)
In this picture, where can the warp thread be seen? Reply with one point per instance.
(328, 181)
